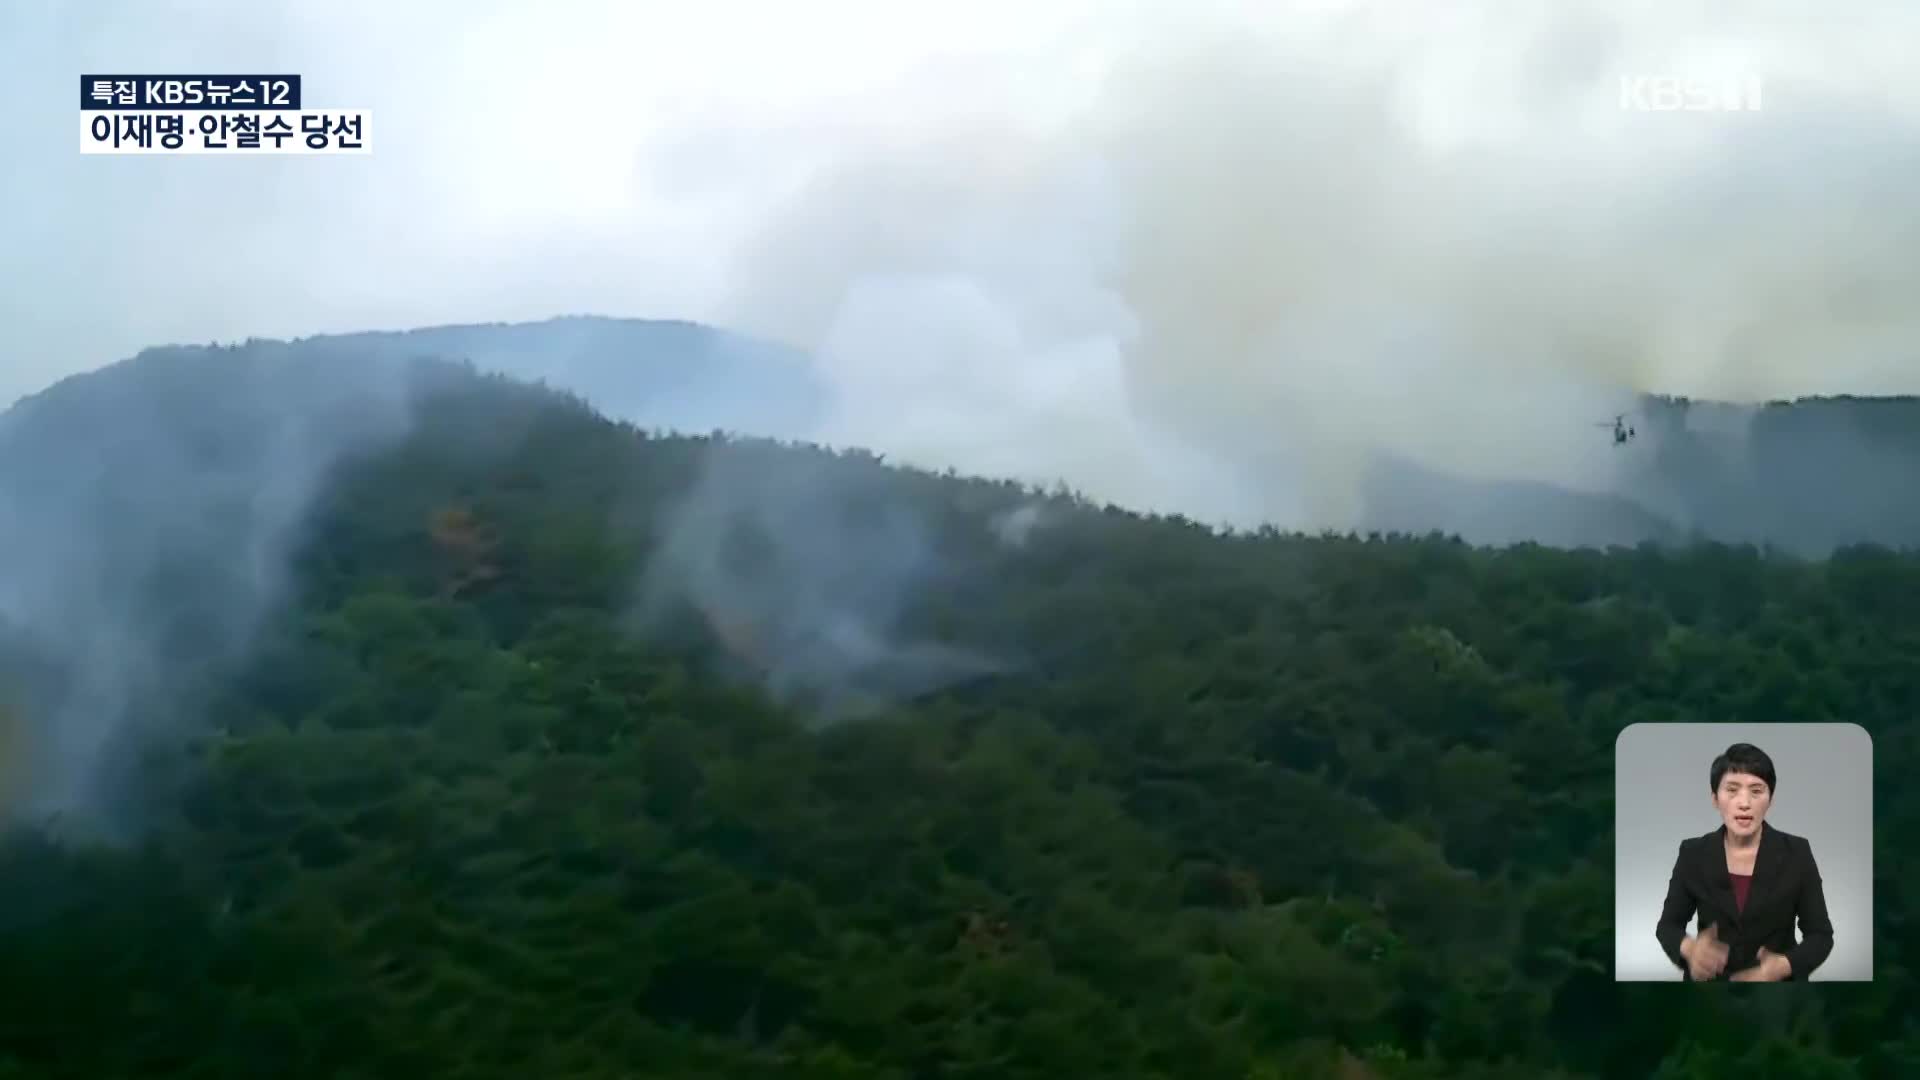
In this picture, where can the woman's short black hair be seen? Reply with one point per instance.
(1743, 758)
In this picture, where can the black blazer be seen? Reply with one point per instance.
(1786, 886)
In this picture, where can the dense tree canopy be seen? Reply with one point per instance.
(1244, 806)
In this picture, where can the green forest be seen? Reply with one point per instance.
(1240, 805)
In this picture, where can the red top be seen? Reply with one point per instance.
(1740, 885)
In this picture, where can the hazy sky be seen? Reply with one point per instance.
(531, 158)
(1127, 233)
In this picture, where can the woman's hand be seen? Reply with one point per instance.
(1771, 967)
(1705, 955)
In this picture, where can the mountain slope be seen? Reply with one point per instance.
(1806, 476)
(651, 373)
(505, 783)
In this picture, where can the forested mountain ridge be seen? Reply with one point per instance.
(1805, 476)
(502, 775)
(654, 373)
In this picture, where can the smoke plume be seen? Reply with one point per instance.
(805, 570)
(148, 515)
(1228, 265)
(1313, 267)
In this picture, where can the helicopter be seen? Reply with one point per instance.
(1623, 432)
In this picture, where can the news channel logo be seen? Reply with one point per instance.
(1678, 93)
(213, 114)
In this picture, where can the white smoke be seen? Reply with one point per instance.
(804, 570)
(148, 516)
(1014, 527)
(1263, 252)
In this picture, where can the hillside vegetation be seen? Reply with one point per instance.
(1248, 806)
(1806, 476)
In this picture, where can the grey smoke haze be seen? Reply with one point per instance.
(804, 571)
(1014, 526)
(1220, 259)
(1290, 256)
(1236, 261)
(147, 529)
(652, 374)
